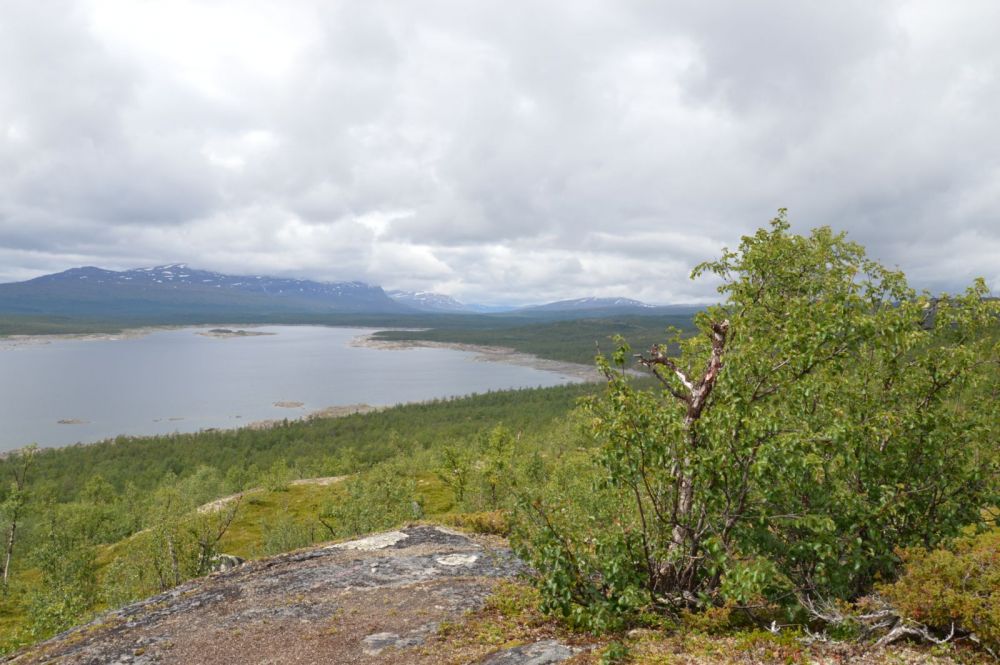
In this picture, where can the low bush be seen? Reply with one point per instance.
(494, 522)
(955, 585)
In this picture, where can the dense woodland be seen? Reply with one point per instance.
(817, 450)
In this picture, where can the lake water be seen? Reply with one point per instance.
(179, 381)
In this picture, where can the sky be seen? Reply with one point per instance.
(509, 152)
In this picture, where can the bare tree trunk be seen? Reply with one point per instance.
(10, 552)
(695, 396)
(174, 565)
(17, 503)
(207, 541)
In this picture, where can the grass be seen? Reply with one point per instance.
(299, 503)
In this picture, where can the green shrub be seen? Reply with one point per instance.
(278, 477)
(380, 498)
(804, 434)
(955, 585)
(284, 534)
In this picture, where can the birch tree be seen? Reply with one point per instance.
(13, 506)
(824, 415)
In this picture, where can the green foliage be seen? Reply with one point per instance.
(132, 502)
(278, 476)
(67, 565)
(178, 541)
(381, 498)
(455, 470)
(570, 341)
(12, 509)
(615, 653)
(494, 469)
(958, 584)
(283, 533)
(824, 416)
(333, 446)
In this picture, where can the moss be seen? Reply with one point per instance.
(510, 617)
(493, 522)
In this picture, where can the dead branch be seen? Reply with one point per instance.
(911, 629)
(883, 619)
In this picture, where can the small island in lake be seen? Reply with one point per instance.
(72, 421)
(226, 333)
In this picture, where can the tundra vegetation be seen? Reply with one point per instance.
(811, 455)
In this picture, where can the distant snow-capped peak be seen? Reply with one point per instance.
(427, 301)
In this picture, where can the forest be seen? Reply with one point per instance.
(814, 453)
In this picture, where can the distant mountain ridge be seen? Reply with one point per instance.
(589, 304)
(177, 292)
(428, 301)
(179, 289)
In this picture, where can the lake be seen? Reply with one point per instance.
(180, 381)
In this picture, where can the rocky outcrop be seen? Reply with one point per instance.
(224, 562)
(539, 653)
(373, 600)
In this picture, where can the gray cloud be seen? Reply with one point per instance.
(496, 151)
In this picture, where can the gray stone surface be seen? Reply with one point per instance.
(323, 605)
(539, 653)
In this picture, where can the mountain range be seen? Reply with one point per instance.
(180, 291)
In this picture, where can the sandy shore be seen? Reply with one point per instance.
(220, 330)
(486, 354)
(16, 341)
(328, 412)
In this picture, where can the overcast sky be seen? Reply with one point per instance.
(501, 151)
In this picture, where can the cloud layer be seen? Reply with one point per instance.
(495, 151)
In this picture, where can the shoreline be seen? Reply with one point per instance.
(576, 372)
(483, 353)
(365, 340)
(11, 342)
(334, 411)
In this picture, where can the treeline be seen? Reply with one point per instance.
(572, 340)
(576, 341)
(322, 446)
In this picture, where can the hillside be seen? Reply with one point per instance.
(95, 300)
(171, 290)
(379, 599)
(421, 594)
